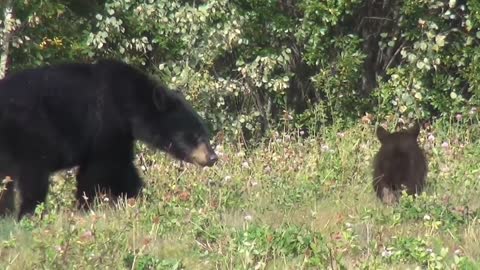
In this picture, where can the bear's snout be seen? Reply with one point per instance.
(204, 155)
(212, 159)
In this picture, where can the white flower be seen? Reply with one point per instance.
(387, 252)
(248, 217)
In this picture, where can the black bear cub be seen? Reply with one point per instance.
(399, 163)
(89, 115)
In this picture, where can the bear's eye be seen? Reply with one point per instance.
(196, 138)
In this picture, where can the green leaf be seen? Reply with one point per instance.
(440, 40)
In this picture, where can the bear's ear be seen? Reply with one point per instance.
(414, 130)
(382, 133)
(173, 100)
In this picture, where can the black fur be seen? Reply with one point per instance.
(400, 161)
(89, 115)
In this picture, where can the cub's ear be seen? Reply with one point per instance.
(414, 130)
(382, 133)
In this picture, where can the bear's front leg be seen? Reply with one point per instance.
(112, 176)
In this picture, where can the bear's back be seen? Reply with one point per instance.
(63, 110)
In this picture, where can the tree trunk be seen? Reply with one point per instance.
(373, 18)
(7, 31)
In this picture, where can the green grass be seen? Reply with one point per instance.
(290, 203)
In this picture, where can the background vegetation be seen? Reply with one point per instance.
(270, 72)
(252, 66)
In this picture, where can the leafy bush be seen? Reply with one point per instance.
(251, 66)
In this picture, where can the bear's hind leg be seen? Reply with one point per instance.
(33, 185)
(384, 190)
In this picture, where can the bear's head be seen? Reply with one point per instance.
(399, 148)
(401, 141)
(172, 125)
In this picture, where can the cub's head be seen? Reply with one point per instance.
(401, 141)
(172, 125)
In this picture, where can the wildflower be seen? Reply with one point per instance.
(473, 111)
(60, 249)
(219, 150)
(131, 202)
(387, 252)
(367, 118)
(325, 148)
(184, 196)
(444, 169)
(87, 236)
(363, 146)
(260, 265)
(5, 181)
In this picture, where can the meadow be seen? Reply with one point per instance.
(287, 203)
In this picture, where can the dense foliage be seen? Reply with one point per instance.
(251, 65)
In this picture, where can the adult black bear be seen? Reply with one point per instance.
(400, 161)
(89, 115)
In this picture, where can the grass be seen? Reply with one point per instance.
(290, 203)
